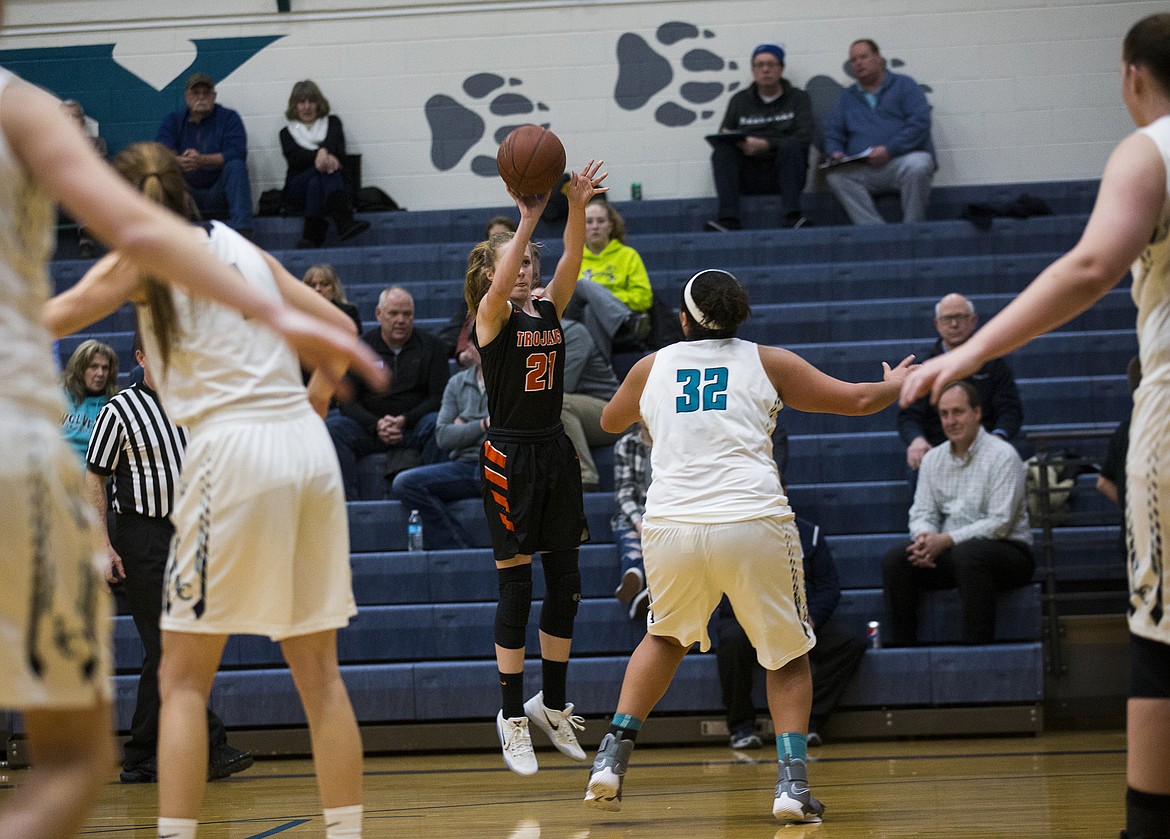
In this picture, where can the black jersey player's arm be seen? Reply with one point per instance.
(582, 188)
(496, 305)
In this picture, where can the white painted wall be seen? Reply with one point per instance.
(1022, 89)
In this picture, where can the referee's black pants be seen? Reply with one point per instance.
(143, 543)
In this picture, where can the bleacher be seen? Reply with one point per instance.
(845, 298)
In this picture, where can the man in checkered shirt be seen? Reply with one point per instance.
(968, 526)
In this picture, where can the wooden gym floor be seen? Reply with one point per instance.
(1061, 784)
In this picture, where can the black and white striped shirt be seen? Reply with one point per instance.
(135, 442)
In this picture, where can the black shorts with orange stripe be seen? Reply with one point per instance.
(532, 491)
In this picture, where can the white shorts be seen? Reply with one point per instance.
(756, 563)
(55, 611)
(1147, 514)
(261, 541)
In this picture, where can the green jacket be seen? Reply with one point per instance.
(619, 268)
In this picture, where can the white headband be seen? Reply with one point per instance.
(694, 310)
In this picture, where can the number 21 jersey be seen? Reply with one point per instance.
(524, 370)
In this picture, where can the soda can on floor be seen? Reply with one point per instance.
(635, 191)
(873, 634)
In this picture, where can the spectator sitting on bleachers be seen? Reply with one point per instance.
(631, 479)
(400, 421)
(212, 146)
(86, 246)
(323, 279)
(886, 117)
(968, 526)
(313, 144)
(589, 383)
(89, 380)
(1003, 414)
(1111, 481)
(833, 660)
(460, 431)
(776, 121)
(613, 296)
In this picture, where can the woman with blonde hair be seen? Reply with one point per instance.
(313, 144)
(323, 279)
(261, 544)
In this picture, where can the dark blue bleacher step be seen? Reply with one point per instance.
(1069, 400)
(684, 214)
(419, 632)
(466, 690)
(462, 576)
(463, 631)
(948, 676)
(1080, 554)
(688, 250)
(439, 691)
(381, 525)
(1017, 614)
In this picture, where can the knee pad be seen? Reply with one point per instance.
(513, 606)
(562, 583)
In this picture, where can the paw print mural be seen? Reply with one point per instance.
(644, 72)
(456, 128)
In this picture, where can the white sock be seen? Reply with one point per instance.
(176, 828)
(343, 822)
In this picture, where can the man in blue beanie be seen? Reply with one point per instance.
(773, 125)
(884, 117)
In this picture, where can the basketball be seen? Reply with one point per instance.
(531, 160)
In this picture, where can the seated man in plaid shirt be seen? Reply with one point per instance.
(968, 526)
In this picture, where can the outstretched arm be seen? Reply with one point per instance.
(624, 409)
(804, 387)
(1133, 190)
(582, 188)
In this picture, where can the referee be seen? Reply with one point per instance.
(134, 442)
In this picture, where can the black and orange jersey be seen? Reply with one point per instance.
(524, 370)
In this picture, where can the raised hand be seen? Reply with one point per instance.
(936, 373)
(585, 184)
(899, 373)
(531, 206)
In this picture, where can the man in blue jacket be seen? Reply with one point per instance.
(213, 150)
(885, 119)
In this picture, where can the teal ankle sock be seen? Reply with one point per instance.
(792, 746)
(625, 727)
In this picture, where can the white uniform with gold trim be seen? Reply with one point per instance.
(261, 535)
(1148, 462)
(54, 608)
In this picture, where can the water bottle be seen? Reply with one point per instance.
(636, 191)
(414, 533)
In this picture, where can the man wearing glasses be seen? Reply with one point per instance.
(919, 425)
(764, 144)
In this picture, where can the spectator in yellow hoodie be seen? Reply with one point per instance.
(615, 304)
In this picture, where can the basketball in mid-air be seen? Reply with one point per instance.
(531, 160)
